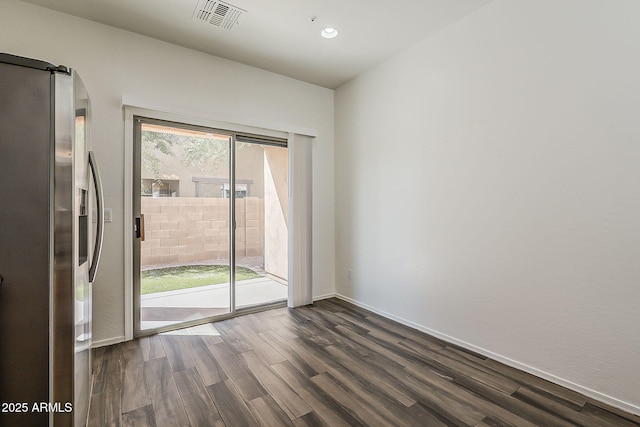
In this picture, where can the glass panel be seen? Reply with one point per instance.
(261, 189)
(184, 258)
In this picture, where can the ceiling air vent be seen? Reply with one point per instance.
(217, 13)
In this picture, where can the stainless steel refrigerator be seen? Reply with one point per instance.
(50, 243)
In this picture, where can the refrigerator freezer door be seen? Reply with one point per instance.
(82, 282)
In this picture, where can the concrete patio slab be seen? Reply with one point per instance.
(171, 307)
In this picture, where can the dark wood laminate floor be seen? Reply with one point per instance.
(330, 364)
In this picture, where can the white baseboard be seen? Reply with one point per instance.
(108, 341)
(325, 296)
(601, 397)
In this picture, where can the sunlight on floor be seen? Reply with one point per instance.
(201, 330)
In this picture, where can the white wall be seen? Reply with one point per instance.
(114, 62)
(488, 189)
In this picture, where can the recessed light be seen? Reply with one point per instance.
(329, 32)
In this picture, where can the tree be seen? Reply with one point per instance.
(208, 153)
(152, 143)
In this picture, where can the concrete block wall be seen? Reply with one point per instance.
(188, 230)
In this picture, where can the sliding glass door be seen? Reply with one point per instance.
(210, 224)
(261, 207)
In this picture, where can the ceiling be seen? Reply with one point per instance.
(279, 35)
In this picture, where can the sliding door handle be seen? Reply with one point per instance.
(139, 228)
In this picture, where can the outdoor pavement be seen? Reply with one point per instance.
(166, 308)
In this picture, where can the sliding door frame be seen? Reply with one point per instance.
(138, 122)
(234, 137)
(135, 106)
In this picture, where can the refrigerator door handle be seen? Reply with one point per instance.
(97, 249)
